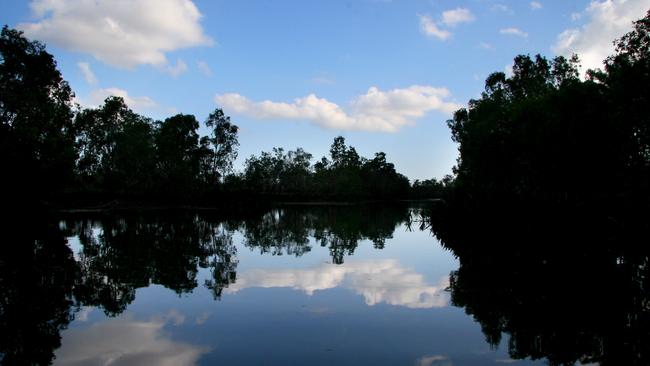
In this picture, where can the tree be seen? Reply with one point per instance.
(177, 151)
(108, 138)
(223, 141)
(540, 134)
(36, 131)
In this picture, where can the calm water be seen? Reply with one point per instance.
(291, 286)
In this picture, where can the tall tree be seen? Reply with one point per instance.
(223, 141)
(108, 139)
(36, 130)
(177, 150)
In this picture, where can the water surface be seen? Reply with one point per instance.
(289, 286)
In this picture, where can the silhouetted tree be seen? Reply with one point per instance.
(37, 278)
(222, 146)
(36, 130)
(108, 139)
(177, 152)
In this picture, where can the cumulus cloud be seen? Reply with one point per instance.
(120, 33)
(125, 342)
(456, 16)
(87, 72)
(429, 28)
(378, 281)
(514, 32)
(535, 5)
(606, 21)
(385, 111)
(449, 18)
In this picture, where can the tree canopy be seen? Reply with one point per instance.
(545, 134)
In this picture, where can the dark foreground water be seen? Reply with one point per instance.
(360, 285)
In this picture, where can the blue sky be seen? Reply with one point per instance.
(384, 74)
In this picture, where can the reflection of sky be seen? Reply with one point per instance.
(124, 342)
(381, 307)
(378, 281)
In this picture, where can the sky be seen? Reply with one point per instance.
(385, 74)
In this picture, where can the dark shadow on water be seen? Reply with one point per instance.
(567, 285)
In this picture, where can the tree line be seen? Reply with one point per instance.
(51, 146)
(544, 134)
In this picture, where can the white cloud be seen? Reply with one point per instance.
(606, 21)
(378, 281)
(449, 18)
(120, 33)
(175, 70)
(204, 68)
(385, 111)
(98, 96)
(429, 28)
(456, 16)
(514, 32)
(125, 342)
(87, 72)
(535, 5)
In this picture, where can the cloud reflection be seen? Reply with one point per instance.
(436, 360)
(125, 342)
(379, 281)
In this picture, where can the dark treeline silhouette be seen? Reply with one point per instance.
(566, 285)
(53, 149)
(344, 175)
(37, 278)
(43, 284)
(543, 135)
(548, 212)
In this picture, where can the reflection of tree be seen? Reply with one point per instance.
(37, 274)
(340, 228)
(133, 251)
(568, 287)
(41, 283)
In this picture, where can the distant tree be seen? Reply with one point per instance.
(223, 145)
(36, 130)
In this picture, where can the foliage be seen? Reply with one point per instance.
(543, 134)
(221, 146)
(347, 175)
(110, 151)
(36, 130)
